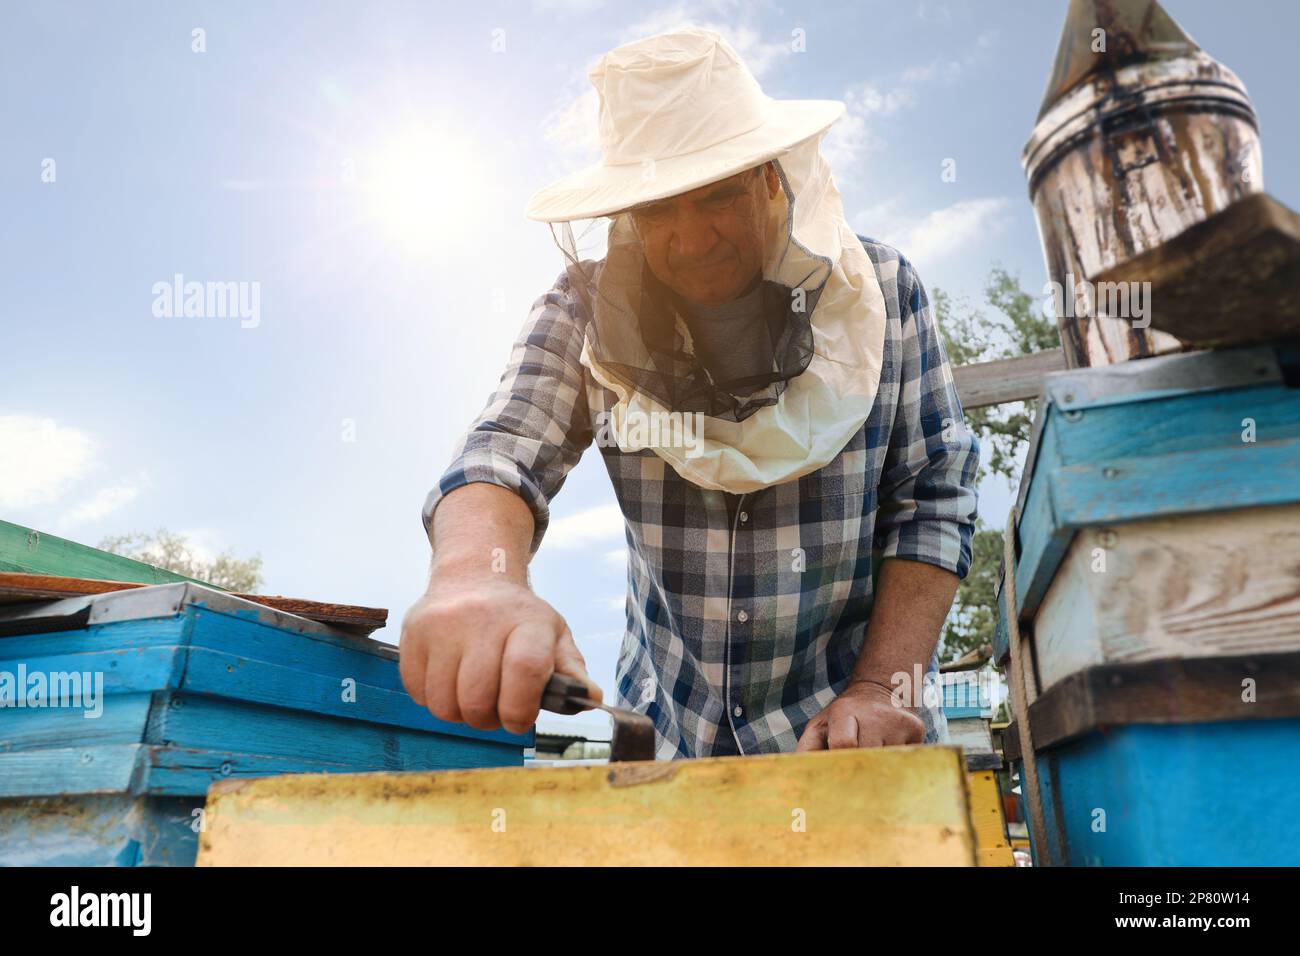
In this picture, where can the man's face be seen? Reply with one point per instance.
(707, 245)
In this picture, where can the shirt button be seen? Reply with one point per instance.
(742, 617)
(744, 516)
(739, 710)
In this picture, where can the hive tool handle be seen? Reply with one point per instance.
(634, 734)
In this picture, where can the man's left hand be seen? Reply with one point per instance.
(863, 715)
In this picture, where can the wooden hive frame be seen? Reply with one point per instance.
(885, 806)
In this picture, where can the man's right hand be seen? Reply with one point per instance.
(479, 651)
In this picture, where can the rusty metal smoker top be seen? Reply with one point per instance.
(1141, 134)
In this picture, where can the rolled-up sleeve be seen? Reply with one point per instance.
(536, 425)
(928, 496)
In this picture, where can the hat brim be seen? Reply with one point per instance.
(600, 190)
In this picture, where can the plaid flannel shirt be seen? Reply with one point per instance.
(745, 613)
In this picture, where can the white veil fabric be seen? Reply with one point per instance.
(827, 315)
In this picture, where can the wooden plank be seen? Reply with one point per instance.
(1182, 453)
(363, 659)
(123, 721)
(17, 588)
(354, 618)
(200, 722)
(887, 806)
(1011, 746)
(314, 684)
(994, 849)
(1137, 409)
(1001, 641)
(107, 768)
(120, 636)
(1141, 425)
(1017, 379)
(256, 681)
(224, 724)
(1195, 690)
(1178, 483)
(1065, 631)
(138, 768)
(119, 671)
(972, 735)
(1230, 279)
(224, 648)
(1192, 586)
(27, 550)
(1042, 545)
(183, 771)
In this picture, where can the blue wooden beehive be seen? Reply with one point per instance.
(966, 694)
(197, 686)
(1159, 605)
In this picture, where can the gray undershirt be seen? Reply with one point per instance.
(732, 339)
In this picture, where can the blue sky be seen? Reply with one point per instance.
(367, 166)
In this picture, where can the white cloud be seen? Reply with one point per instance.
(879, 220)
(617, 558)
(844, 145)
(948, 71)
(572, 126)
(204, 544)
(854, 134)
(732, 19)
(586, 527)
(949, 229)
(101, 504)
(868, 103)
(868, 100)
(934, 12)
(40, 459)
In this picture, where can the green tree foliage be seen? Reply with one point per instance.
(1015, 326)
(164, 549)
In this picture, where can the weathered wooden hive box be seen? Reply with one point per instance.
(1158, 595)
(967, 707)
(887, 806)
(180, 686)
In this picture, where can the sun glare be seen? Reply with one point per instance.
(420, 187)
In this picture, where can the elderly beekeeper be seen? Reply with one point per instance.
(777, 414)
